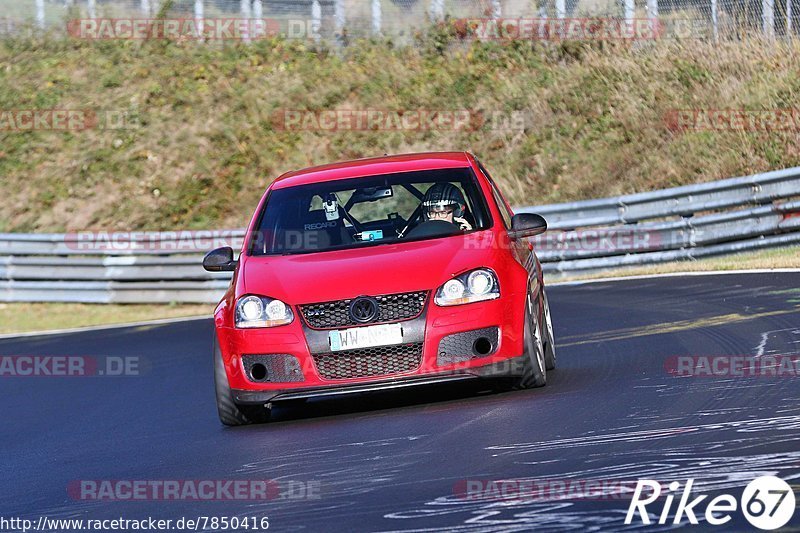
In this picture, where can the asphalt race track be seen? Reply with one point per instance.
(400, 461)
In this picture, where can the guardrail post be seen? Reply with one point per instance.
(40, 13)
(630, 12)
(437, 10)
(376, 17)
(561, 9)
(198, 16)
(244, 6)
(497, 9)
(789, 18)
(316, 19)
(652, 16)
(339, 19)
(715, 19)
(258, 15)
(542, 21)
(768, 18)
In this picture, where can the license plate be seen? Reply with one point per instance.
(366, 337)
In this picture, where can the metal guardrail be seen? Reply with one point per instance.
(693, 232)
(681, 223)
(757, 189)
(123, 243)
(116, 292)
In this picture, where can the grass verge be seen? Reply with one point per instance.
(189, 135)
(788, 257)
(24, 317)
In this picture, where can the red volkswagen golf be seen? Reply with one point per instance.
(379, 273)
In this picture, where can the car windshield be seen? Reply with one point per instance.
(369, 211)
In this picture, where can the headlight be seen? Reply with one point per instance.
(480, 282)
(261, 312)
(475, 286)
(453, 289)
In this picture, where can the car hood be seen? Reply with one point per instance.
(371, 270)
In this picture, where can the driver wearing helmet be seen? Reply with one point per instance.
(443, 201)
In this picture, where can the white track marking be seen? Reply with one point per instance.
(765, 336)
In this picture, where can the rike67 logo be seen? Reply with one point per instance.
(767, 502)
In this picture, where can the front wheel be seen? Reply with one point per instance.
(231, 413)
(534, 372)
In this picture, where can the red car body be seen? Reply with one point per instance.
(394, 268)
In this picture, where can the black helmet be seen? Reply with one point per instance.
(444, 196)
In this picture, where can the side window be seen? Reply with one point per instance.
(505, 212)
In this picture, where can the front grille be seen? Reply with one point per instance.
(391, 308)
(364, 362)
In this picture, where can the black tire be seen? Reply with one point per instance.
(534, 372)
(549, 338)
(231, 413)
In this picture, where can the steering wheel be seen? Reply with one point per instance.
(434, 228)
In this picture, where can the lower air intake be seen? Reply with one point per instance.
(365, 362)
(272, 368)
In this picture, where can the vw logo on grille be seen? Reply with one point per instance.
(364, 309)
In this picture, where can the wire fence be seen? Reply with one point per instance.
(340, 20)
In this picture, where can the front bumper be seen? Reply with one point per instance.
(504, 369)
(505, 315)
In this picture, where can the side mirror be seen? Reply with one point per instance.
(220, 260)
(527, 225)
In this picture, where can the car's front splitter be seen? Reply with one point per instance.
(507, 368)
